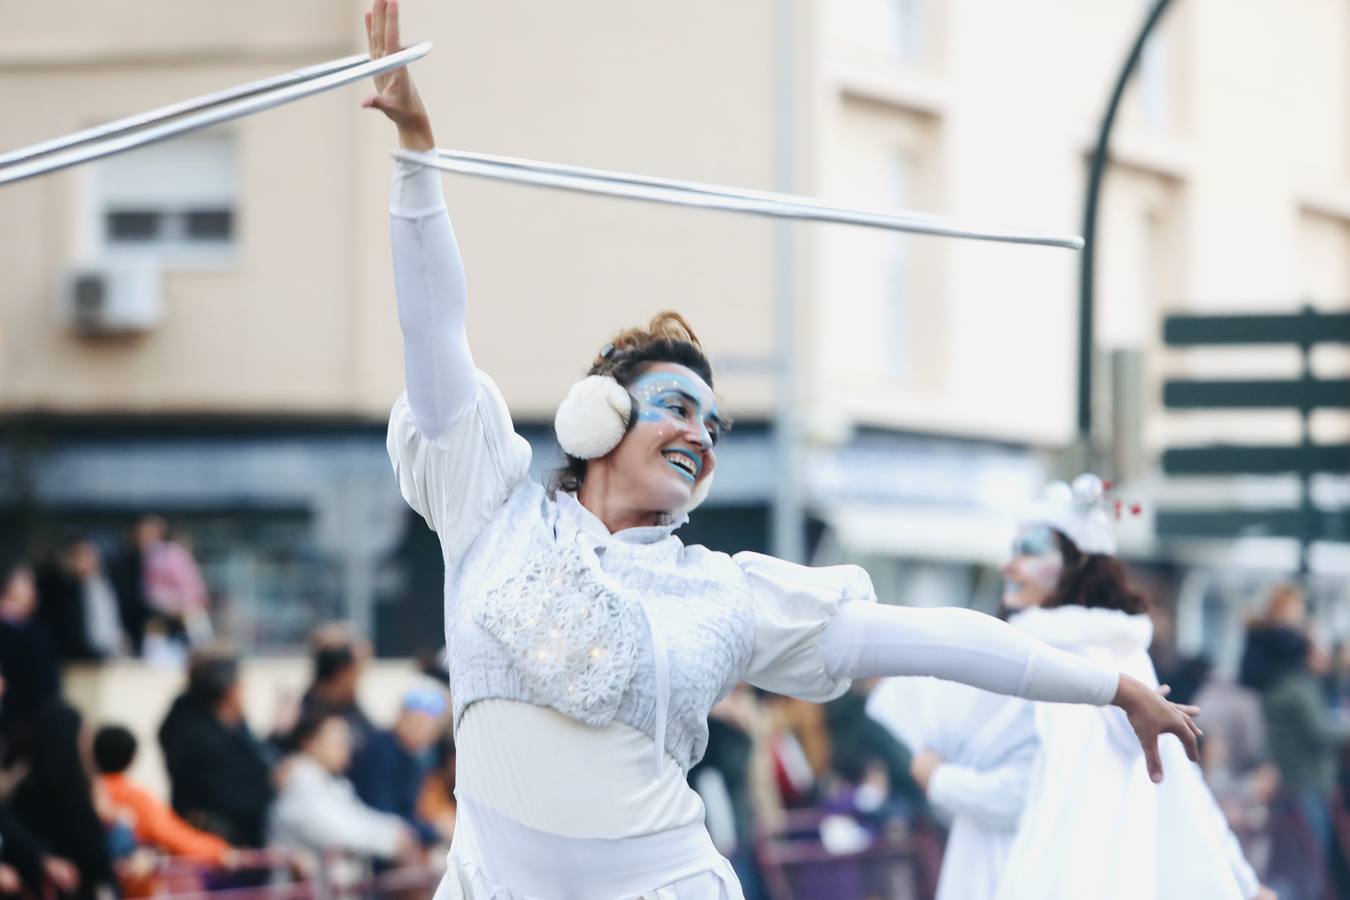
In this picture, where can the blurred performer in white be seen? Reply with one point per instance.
(1053, 801)
(974, 754)
(586, 643)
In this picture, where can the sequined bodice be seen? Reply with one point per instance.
(549, 609)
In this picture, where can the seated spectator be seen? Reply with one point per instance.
(152, 821)
(79, 604)
(735, 779)
(436, 804)
(799, 746)
(219, 774)
(389, 772)
(55, 802)
(175, 589)
(318, 809)
(852, 731)
(27, 657)
(25, 861)
(339, 659)
(127, 572)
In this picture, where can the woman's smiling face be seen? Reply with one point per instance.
(668, 452)
(1031, 576)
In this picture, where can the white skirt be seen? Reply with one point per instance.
(493, 857)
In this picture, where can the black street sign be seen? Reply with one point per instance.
(1304, 394)
(1233, 459)
(1321, 525)
(1264, 394)
(1307, 327)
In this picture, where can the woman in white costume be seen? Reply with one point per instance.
(974, 754)
(586, 643)
(1054, 801)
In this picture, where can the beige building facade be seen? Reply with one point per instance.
(946, 367)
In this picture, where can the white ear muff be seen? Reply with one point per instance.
(593, 417)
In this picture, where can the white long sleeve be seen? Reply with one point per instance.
(455, 451)
(992, 798)
(866, 640)
(432, 301)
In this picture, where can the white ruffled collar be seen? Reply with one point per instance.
(588, 522)
(1079, 627)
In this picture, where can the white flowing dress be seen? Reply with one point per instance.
(1095, 826)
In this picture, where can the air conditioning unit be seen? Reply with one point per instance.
(113, 297)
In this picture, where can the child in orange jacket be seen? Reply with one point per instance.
(154, 823)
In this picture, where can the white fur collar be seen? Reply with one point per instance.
(1078, 627)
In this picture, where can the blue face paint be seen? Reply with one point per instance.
(1037, 563)
(1035, 540)
(673, 397)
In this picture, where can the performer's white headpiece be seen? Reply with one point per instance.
(1079, 511)
(595, 415)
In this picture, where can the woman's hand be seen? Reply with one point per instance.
(1152, 715)
(396, 96)
(922, 767)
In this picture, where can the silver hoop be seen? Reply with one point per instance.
(191, 115)
(720, 197)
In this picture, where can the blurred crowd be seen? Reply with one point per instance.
(146, 599)
(326, 793)
(1277, 746)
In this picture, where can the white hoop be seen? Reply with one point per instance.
(254, 97)
(720, 197)
(191, 115)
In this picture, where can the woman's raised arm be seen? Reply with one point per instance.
(428, 272)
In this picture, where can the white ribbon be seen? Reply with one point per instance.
(661, 668)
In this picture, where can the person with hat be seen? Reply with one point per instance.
(391, 769)
(586, 642)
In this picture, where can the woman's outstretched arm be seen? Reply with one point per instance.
(866, 640)
(428, 272)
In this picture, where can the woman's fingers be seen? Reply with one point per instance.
(391, 39)
(1185, 729)
(370, 36)
(1164, 690)
(1189, 740)
(380, 10)
(1152, 758)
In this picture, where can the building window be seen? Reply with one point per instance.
(878, 32)
(175, 201)
(878, 337)
(904, 28)
(1155, 78)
